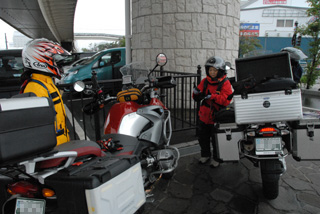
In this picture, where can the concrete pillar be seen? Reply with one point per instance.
(187, 31)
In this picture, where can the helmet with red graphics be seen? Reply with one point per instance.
(44, 56)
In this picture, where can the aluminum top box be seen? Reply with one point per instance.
(265, 66)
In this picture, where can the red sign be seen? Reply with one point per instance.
(274, 1)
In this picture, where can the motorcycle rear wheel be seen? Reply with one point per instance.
(270, 174)
(270, 189)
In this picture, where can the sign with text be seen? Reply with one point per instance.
(274, 1)
(249, 29)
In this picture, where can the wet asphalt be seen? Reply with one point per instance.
(234, 188)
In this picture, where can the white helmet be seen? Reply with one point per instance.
(218, 63)
(43, 56)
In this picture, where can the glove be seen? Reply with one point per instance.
(198, 97)
(207, 97)
(196, 91)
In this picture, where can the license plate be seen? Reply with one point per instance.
(268, 146)
(27, 206)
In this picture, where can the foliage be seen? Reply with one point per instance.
(102, 46)
(312, 30)
(248, 44)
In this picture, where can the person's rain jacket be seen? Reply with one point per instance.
(40, 91)
(217, 100)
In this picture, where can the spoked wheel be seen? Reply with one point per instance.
(270, 174)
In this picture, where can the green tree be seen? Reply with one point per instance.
(94, 47)
(248, 44)
(312, 30)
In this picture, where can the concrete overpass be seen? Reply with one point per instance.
(97, 36)
(41, 18)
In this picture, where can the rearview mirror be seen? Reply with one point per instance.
(228, 66)
(161, 59)
(79, 86)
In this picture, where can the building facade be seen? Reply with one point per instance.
(273, 21)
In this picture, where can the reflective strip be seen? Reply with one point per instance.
(57, 102)
(54, 95)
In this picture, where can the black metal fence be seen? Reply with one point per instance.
(178, 100)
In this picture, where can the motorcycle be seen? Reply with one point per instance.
(265, 146)
(139, 123)
(263, 127)
(84, 176)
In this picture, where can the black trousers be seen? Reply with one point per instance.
(205, 137)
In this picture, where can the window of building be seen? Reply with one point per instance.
(289, 23)
(284, 13)
(284, 23)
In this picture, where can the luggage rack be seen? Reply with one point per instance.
(30, 165)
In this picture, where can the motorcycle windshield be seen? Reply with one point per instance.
(134, 72)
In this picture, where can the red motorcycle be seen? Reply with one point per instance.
(85, 176)
(138, 123)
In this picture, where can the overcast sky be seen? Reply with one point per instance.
(91, 16)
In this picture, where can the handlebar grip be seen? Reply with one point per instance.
(166, 82)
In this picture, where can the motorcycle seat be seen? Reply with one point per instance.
(82, 147)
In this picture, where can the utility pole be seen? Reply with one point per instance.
(5, 38)
(294, 37)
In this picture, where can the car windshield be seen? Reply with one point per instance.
(134, 72)
(10, 66)
(91, 59)
(83, 61)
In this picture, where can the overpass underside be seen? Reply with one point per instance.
(41, 19)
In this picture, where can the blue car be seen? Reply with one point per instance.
(106, 63)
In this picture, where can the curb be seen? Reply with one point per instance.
(188, 148)
(312, 92)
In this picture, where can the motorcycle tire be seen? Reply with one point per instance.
(270, 175)
(270, 189)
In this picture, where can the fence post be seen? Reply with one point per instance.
(97, 125)
(198, 103)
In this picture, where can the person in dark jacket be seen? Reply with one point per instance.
(212, 93)
(296, 70)
(295, 55)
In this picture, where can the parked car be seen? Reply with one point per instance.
(75, 63)
(11, 68)
(75, 57)
(106, 63)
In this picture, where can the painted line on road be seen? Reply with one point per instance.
(78, 128)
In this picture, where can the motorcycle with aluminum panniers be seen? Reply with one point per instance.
(268, 122)
(113, 175)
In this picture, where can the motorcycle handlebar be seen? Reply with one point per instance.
(165, 82)
(95, 106)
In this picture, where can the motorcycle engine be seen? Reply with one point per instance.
(165, 158)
